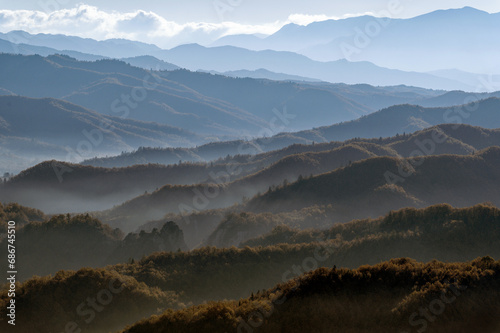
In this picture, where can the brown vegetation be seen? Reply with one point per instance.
(398, 295)
(72, 242)
(91, 300)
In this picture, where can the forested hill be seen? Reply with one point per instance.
(388, 122)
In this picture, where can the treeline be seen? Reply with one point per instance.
(438, 232)
(371, 187)
(20, 214)
(227, 227)
(475, 226)
(88, 300)
(397, 295)
(72, 242)
(235, 229)
(395, 289)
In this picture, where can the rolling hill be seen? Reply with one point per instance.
(44, 299)
(371, 187)
(150, 62)
(71, 242)
(36, 129)
(392, 296)
(177, 98)
(399, 119)
(369, 181)
(173, 279)
(391, 121)
(265, 74)
(368, 188)
(115, 88)
(88, 188)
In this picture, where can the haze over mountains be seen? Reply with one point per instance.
(35, 129)
(248, 184)
(101, 86)
(115, 89)
(111, 48)
(381, 51)
(392, 43)
(395, 120)
(267, 66)
(156, 190)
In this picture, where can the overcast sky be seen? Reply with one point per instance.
(169, 22)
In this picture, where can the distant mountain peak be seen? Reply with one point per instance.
(467, 10)
(470, 9)
(287, 28)
(189, 46)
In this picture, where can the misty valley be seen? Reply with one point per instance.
(219, 181)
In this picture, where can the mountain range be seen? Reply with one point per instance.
(230, 58)
(111, 48)
(151, 191)
(372, 187)
(251, 173)
(181, 100)
(384, 55)
(304, 181)
(34, 129)
(115, 88)
(387, 42)
(392, 43)
(391, 121)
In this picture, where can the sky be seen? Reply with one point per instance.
(171, 22)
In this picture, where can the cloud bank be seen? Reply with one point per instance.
(91, 22)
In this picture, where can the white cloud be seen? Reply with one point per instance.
(305, 19)
(139, 22)
(91, 22)
(83, 18)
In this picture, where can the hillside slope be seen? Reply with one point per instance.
(393, 296)
(165, 279)
(371, 187)
(65, 242)
(368, 188)
(34, 130)
(237, 108)
(388, 122)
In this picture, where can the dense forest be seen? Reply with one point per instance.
(20, 214)
(72, 242)
(437, 232)
(397, 295)
(101, 300)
